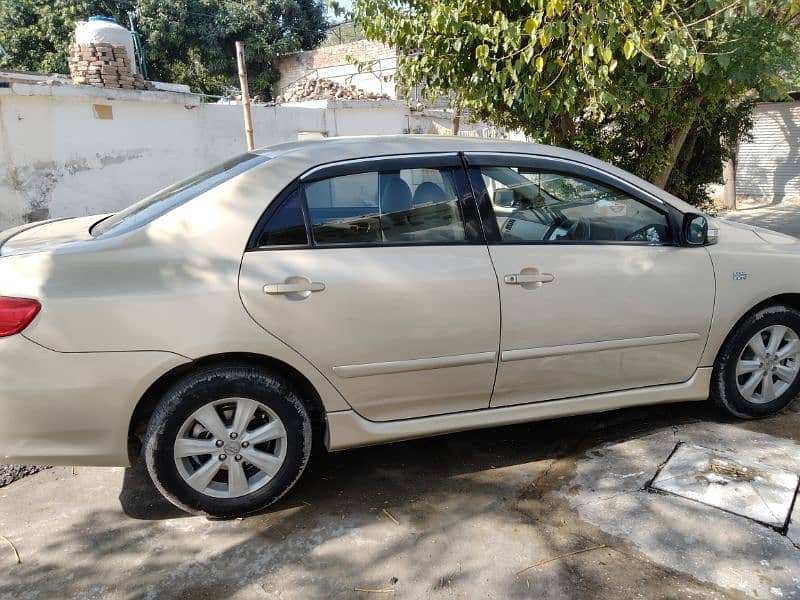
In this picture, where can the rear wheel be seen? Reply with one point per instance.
(758, 370)
(227, 441)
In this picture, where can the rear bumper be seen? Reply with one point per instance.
(61, 408)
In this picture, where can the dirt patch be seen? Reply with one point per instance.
(11, 473)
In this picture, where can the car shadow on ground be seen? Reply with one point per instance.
(462, 503)
(359, 475)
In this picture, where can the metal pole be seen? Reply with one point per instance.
(248, 118)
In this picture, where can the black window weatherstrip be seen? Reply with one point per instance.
(483, 205)
(473, 228)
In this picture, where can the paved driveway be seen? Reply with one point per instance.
(559, 509)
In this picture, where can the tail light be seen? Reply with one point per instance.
(16, 314)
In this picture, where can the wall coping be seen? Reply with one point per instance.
(347, 104)
(55, 88)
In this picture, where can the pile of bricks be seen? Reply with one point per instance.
(104, 65)
(325, 89)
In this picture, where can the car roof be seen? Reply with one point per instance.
(375, 145)
(306, 154)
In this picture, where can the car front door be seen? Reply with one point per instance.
(595, 294)
(377, 272)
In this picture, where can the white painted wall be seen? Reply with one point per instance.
(58, 159)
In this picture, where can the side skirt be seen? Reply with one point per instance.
(347, 429)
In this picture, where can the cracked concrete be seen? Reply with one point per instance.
(475, 509)
(610, 490)
(730, 482)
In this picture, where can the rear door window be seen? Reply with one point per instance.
(402, 206)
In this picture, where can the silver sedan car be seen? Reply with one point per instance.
(354, 291)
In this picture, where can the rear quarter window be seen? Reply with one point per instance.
(160, 203)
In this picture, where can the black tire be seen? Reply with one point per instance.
(213, 384)
(724, 389)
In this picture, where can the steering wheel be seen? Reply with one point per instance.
(648, 233)
(580, 229)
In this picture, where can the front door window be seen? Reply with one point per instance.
(533, 205)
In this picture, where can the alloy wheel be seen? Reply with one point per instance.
(769, 364)
(230, 448)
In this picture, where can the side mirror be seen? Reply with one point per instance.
(696, 231)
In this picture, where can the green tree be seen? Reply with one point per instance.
(628, 80)
(186, 41)
(35, 34)
(192, 41)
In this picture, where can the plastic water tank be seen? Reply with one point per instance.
(105, 30)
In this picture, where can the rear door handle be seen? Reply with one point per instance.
(298, 287)
(523, 278)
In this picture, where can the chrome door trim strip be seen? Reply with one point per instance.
(654, 340)
(417, 364)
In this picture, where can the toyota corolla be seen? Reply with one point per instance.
(353, 291)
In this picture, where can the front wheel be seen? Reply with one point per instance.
(757, 372)
(227, 441)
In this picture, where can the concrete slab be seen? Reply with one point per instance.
(722, 480)
(610, 490)
(793, 531)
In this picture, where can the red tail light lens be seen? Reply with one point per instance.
(16, 314)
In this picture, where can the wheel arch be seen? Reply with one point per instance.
(147, 403)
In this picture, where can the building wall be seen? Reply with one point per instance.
(330, 62)
(768, 166)
(59, 157)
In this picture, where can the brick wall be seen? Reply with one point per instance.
(321, 62)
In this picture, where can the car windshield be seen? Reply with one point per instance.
(162, 202)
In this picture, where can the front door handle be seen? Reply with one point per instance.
(294, 287)
(524, 278)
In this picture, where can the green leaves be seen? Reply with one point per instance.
(544, 39)
(531, 25)
(612, 77)
(628, 48)
(186, 41)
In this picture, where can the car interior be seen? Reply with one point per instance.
(537, 205)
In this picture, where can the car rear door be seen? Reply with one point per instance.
(376, 271)
(595, 294)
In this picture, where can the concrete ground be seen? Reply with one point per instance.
(459, 516)
(780, 216)
(558, 509)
